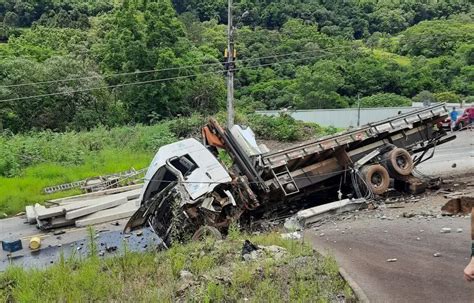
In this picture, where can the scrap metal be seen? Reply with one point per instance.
(188, 186)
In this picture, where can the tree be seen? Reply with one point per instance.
(435, 38)
(425, 97)
(11, 19)
(317, 86)
(385, 100)
(448, 97)
(140, 37)
(78, 106)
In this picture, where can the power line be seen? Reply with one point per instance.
(154, 80)
(169, 69)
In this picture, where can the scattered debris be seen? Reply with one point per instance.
(445, 230)
(294, 235)
(392, 260)
(14, 257)
(247, 249)
(110, 249)
(35, 243)
(292, 224)
(12, 246)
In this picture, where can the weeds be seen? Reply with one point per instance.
(233, 233)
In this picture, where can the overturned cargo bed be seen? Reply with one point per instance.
(188, 190)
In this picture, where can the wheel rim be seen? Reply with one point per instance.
(376, 179)
(402, 162)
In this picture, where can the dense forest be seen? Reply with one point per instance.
(77, 64)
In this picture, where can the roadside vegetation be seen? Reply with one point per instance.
(30, 162)
(103, 62)
(215, 273)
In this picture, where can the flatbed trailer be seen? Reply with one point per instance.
(188, 190)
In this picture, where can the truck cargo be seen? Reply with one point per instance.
(190, 191)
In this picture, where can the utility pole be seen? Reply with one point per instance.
(358, 110)
(230, 68)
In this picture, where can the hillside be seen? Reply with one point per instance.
(73, 65)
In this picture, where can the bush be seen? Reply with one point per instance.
(448, 97)
(282, 128)
(385, 100)
(18, 152)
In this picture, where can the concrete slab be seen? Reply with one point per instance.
(57, 211)
(30, 214)
(130, 195)
(51, 223)
(98, 194)
(43, 213)
(84, 211)
(317, 213)
(120, 212)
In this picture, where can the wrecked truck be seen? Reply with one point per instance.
(190, 191)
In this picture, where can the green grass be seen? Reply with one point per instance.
(219, 276)
(27, 189)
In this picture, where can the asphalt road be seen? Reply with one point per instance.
(458, 153)
(417, 276)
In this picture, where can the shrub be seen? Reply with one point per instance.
(385, 100)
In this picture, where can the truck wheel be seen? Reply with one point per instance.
(399, 162)
(376, 177)
(207, 231)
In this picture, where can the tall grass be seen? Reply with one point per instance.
(17, 192)
(18, 152)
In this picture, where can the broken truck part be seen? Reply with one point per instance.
(187, 187)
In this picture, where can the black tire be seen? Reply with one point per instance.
(399, 162)
(207, 231)
(376, 177)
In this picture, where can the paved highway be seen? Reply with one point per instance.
(458, 153)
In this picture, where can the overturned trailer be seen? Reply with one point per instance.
(188, 190)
